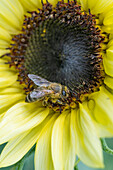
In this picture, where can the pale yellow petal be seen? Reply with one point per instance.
(108, 63)
(109, 53)
(109, 81)
(103, 107)
(3, 61)
(111, 37)
(88, 4)
(19, 146)
(4, 44)
(57, 141)
(7, 78)
(108, 19)
(88, 144)
(3, 51)
(102, 130)
(9, 100)
(63, 151)
(13, 151)
(107, 28)
(108, 59)
(1, 116)
(11, 15)
(5, 38)
(110, 43)
(5, 67)
(43, 157)
(91, 4)
(20, 118)
(69, 155)
(97, 6)
(84, 4)
(31, 4)
(12, 89)
(54, 2)
(73, 129)
(101, 6)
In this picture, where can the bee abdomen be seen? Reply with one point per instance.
(28, 99)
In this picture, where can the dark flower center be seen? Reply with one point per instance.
(62, 53)
(62, 45)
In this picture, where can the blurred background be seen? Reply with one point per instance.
(108, 161)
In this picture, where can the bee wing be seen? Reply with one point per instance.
(39, 81)
(39, 94)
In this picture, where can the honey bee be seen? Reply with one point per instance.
(54, 92)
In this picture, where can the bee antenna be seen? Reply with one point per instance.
(89, 11)
(60, 109)
(42, 2)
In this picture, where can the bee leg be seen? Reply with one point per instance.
(60, 102)
(60, 108)
(45, 102)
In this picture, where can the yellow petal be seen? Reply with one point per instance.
(108, 19)
(31, 4)
(57, 141)
(4, 35)
(109, 81)
(108, 63)
(1, 116)
(20, 118)
(8, 100)
(4, 38)
(97, 6)
(11, 15)
(91, 4)
(3, 51)
(107, 28)
(43, 157)
(88, 144)
(54, 2)
(5, 67)
(102, 130)
(109, 53)
(4, 44)
(84, 4)
(101, 6)
(103, 107)
(88, 4)
(111, 37)
(13, 151)
(69, 156)
(110, 43)
(19, 146)
(63, 152)
(73, 129)
(12, 89)
(7, 78)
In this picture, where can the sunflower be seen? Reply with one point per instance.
(56, 81)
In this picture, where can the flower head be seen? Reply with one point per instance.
(56, 77)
